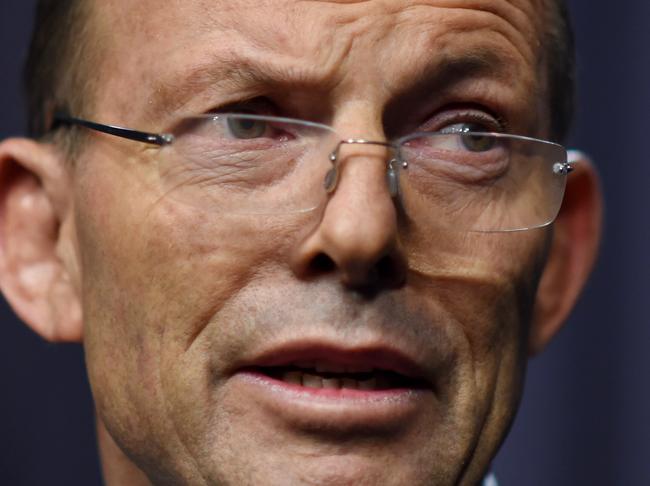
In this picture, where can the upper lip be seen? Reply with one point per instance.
(375, 356)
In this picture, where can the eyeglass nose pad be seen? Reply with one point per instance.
(331, 180)
(392, 179)
(332, 176)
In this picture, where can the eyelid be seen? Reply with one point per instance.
(471, 115)
(255, 106)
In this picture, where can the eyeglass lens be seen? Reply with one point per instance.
(251, 164)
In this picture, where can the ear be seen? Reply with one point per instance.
(573, 250)
(36, 246)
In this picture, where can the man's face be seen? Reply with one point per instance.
(187, 312)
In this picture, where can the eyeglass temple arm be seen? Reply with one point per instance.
(151, 138)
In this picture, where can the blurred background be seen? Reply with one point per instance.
(585, 416)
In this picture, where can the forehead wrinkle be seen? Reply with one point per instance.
(519, 23)
(170, 94)
(254, 72)
(268, 59)
(244, 76)
(512, 22)
(500, 41)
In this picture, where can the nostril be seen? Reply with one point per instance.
(385, 266)
(322, 264)
(386, 272)
(390, 271)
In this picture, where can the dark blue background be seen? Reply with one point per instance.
(585, 417)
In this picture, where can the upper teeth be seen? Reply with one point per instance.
(329, 367)
(313, 381)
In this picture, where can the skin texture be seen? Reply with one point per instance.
(169, 299)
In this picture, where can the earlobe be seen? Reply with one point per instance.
(35, 239)
(573, 251)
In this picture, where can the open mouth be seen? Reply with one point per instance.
(324, 386)
(335, 376)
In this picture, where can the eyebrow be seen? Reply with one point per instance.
(233, 73)
(454, 67)
(248, 77)
(436, 78)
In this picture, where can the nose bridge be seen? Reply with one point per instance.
(388, 159)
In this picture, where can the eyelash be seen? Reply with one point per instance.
(461, 115)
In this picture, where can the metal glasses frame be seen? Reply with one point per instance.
(162, 139)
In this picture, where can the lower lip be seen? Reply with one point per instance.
(342, 407)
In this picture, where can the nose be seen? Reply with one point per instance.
(357, 235)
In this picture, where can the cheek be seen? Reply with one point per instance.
(486, 284)
(486, 280)
(164, 273)
(153, 277)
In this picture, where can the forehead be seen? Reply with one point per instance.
(155, 51)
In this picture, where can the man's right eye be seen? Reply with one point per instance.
(247, 128)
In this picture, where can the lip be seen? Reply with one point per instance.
(373, 356)
(334, 409)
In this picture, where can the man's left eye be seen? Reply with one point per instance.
(468, 137)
